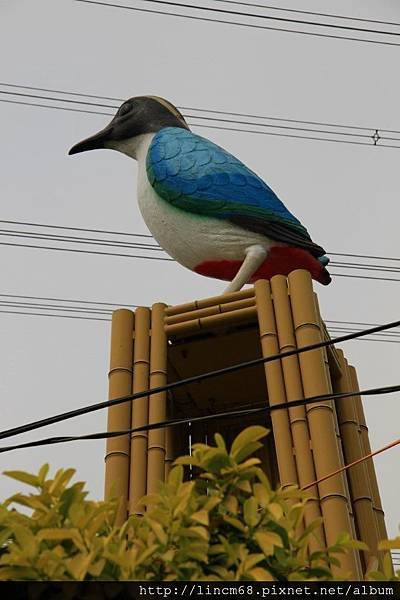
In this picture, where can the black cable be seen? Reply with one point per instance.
(221, 119)
(89, 112)
(77, 228)
(118, 304)
(68, 238)
(26, 308)
(202, 418)
(71, 240)
(364, 277)
(237, 13)
(33, 314)
(129, 245)
(308, 12)
(85, 251)
(203, 376)
(128, 233)
(251, 25)
(202, 125)
(204, 110)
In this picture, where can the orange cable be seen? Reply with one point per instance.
(356, 462)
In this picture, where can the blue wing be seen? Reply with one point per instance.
(194, 174)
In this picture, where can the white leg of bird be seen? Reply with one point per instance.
(255, 256)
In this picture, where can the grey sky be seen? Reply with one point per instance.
(346, 195)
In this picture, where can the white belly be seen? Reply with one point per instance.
(191, 239)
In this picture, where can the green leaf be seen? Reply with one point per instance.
(267, 540)
(24, 477)
(201, 516)
(219, 440)
(250, 434)
(390, 544)
(175, 477)
(246, 450)
(251, 516)
(44, 469)
(158, 531)
(260, 574)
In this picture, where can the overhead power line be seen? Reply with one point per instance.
(237, 13)
(194, 379)
(71, 243)
(236, 23)
(265, 125)
(102, 311)
(203, 418)
(308, 12)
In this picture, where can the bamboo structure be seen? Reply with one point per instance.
(164, 344)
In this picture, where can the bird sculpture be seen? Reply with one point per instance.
(204, 207)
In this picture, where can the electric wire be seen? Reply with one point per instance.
(154, 247)
(192, 108)
(237, 13)
(352, 464)
(201, 418)
(236, 23)
(374, 134)
(220, 119)
(308, 12)
(194, 379)
(41, 303)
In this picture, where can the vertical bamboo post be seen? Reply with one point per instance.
(275, 385)
(119, 416)
(366, 449)
(358, 475)
(157, 402)
(297, 415)
(140, 410)
(334, 502)
(170, 446)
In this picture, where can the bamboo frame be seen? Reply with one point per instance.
(308, 442)
(117, 457)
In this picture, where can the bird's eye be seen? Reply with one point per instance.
(125, 108)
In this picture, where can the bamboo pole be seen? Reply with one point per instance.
(332, 492)
(275, 385)
(170, 444)
(358, 475)
(297, 415)
(366, 449)
(119, 416)
(157, 402)
(140, 410)
(223, 299)
(209, 310)
(242, 315)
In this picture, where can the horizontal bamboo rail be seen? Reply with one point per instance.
(223, 299)
(210, 310)
(242, 315)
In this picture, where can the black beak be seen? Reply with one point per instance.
(94, 142)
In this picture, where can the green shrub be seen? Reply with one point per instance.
(226, 524)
